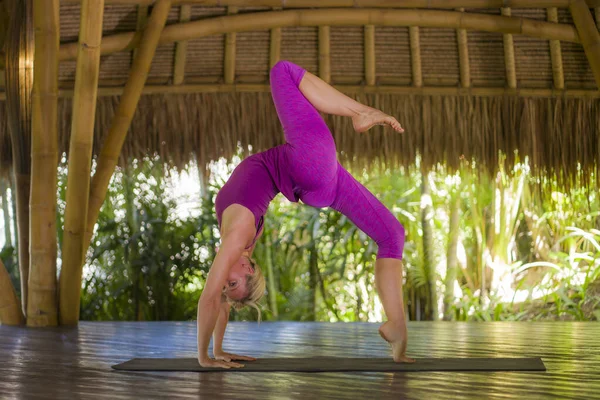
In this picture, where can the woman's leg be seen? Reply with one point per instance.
(373, 218)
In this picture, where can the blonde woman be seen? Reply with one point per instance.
(304, 168)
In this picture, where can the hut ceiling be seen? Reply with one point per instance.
(464, 66)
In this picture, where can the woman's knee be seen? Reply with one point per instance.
(285, 69)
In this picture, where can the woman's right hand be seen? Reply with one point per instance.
(208, 362)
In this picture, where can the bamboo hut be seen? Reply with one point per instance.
(188, 79)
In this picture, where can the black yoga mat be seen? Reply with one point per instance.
(338, 364)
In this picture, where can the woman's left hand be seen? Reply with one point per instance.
(222, 355)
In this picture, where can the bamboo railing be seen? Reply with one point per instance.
(448, 4)
(590, 37)
(19, 84)
(42, 302)
(111, 149)
(80, 158)
(337, 17)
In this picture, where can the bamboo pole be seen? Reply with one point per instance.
(185, 14)
(111, 149)
(80, 158)
(324, 54)
(556, 53)
(588, 33)
(10, 309)
(509, 55)
(275, 47)
(448, 4)
(19, 48)
(339, 17)
(42, 308)
(360, 89)
(463, 56)
(370, 54)
(415, 56)
(229, 59)
(597, 12)
(142, 19)
(5, 213)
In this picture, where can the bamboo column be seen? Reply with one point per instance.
(5, 213)
(415, 56)
(10, 309)
(275, 47)
(509, 55)
(588, 33)
(80, 158)
(109, 155)
(370, 54)
(42, 303)
(230, 44)
(556, 54)
(185, 13)
(324, 54)
(19, 84)
(142, 19)
(597, 11)
(463, 56)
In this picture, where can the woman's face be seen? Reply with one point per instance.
(235, 286)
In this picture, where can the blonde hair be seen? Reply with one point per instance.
(256, 287)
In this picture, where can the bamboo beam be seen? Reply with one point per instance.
(590, 37)
(80, 158)
(109, 154)
(42, 307)
(415, 56)
(350, 89)
(275, 47)
(185, 13)
(19, 48)
(370, 55)
(339, 17)
(440, 4)
(142, 19)
(556, 53)
(10, 309)
(463, 56)
(324, 54)
(509, 55)
(229, 59)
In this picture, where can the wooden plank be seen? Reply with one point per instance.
(229, 57)
(78, 362)
(324, 54)
(185, 14)
(509, 55)
(340, 17)
(556, 54)
(370, 55)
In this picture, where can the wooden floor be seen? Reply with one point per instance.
(75, 363)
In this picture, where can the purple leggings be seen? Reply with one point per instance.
(312, 164)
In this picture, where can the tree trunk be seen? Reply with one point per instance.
(428, 246)
(271, 276)
(133, 254)
(19, 48)
(313, 280)
(452, 260)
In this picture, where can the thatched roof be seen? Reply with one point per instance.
(444, 120)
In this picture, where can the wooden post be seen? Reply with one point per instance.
(463, 56)
(229, 59)
(556, 54)
(185, 14)
(415, 56)
(370, 54)
(509, 55)
(275, 47)
(324, 54)
(80, 158)
(109, 154)
(10, 309)
(19, 85)
(588, 33)
(42, 307)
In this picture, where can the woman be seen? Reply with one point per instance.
(305, 168)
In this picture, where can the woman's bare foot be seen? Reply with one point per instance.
(397, 338)
(371, 117)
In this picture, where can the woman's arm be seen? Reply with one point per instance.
(219, 333)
